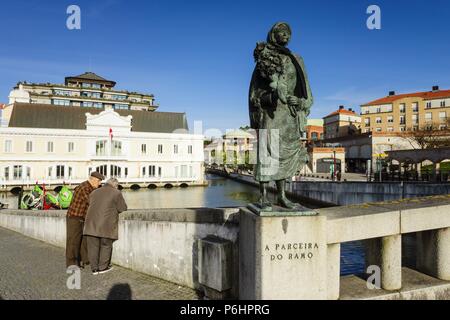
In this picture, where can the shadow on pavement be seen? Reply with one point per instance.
(121, 291)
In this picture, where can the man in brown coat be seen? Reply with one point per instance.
(76, 248)
(102, 224)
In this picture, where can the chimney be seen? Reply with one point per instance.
(350, 109)
(392, 93)
(435, 88)
(341, 107)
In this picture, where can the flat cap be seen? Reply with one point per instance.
(97, 175)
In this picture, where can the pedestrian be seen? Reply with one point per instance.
(102, 225)
(76, 246)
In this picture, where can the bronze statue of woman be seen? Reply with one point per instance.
(279, 102)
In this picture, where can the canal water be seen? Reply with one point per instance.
(221, 192)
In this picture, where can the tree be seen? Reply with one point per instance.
(429, 136)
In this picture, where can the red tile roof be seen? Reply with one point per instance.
(342, 111)
(427, 95)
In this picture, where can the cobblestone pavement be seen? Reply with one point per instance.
(33, 270)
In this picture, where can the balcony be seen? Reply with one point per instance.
(106, 156)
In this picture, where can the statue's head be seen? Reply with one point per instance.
(280, 34)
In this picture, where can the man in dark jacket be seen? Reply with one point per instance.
(76, 248)
(102, 224)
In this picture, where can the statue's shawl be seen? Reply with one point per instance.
(267, 64)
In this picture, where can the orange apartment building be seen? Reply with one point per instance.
(341, 123)
(427, 110)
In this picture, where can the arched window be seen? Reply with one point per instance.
(116, 171)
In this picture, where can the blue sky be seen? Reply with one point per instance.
(197, 56)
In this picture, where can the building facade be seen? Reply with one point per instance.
(236, 147)
(86, 90)
(314, 130)
(55, 144)
(341, 123)
(428, 110)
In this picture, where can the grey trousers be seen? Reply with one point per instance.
(99, 252)
(76, 246)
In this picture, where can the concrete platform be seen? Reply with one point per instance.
(416, 286)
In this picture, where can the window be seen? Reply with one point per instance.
(118, 97)
(314, 136)
(402, 129)
(143, 149)
(159, 172)
(116, 148)
(428, 116)
(390, 119)
(71, 147)
(116, 171)
(29, 147)
(390, 129)
(415, 118)
(8, 146)
(100, 148)
(175, 149)
(160, 148)
(59, 102)
(442, 127)
(415, 128)
(70, 172)
(87, 104)
(184, 172)
(152, 171)
(402, 120)
(50, 172)
(378, 120)
(378, 110)
(126, 172)
(62, 93)
(402, 107)
(442, 115)
(96, 95)
(119, 106)
(443, 103)
(428, 105)
(102, 169)
(60, 170)
(97, 105)
(415, 107)
(367, 122)
(143, 171)
(190, 149)
(378, 129)
(17, 172)
(6, 174)
(50, 148)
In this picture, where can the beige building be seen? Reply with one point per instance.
(341, 123)
(322, 159)
(235, 147)
(407, 112)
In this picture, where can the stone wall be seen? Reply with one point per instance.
(347, 193)
(157, 242)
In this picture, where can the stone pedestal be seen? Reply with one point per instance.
(433, 253)
(282, 255)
